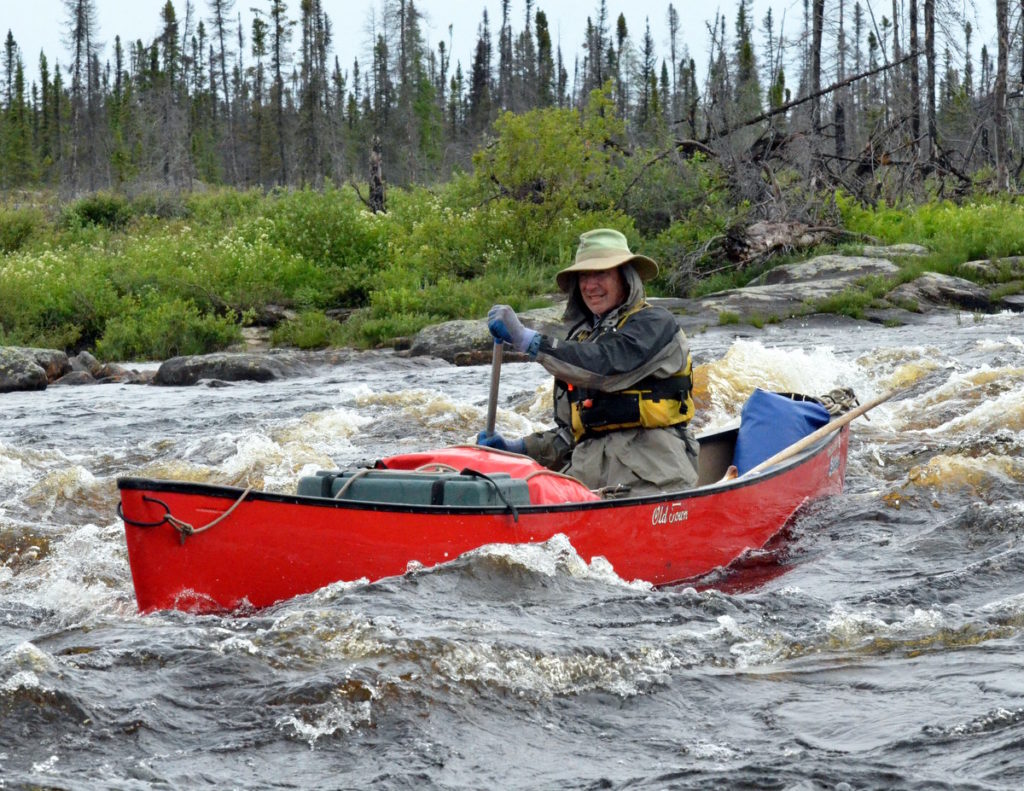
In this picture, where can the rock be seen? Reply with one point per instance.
(447, 339)
(229, 367)
(111, 372)
(83, 361)
(1014, 302)
(893, 250)
(472, 339)
(272, 315)
(255, 339)
(55, 363)
(477, 357)
(985, 269)
(20, 371)
(933, 289)
(792, 289)
(827, 267)
(76, 378)
(340, 315)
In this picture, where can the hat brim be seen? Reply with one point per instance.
(644, 266)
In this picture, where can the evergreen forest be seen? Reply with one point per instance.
(158, 200)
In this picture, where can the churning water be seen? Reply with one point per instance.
(877, 645)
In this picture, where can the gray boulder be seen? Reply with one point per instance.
(469, 342)
(839, 268)
(894, 250)
(793, 288)
(83, 361)
(53, 361)
(76, 378)
(936, 290)
(985, 269)
(1014, 302)
(20, 371)
(450, 338)
(229, 367)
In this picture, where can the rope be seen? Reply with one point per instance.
(352, 479)
(184, 528)
(497, 490)
(436, 466)
(839, 401)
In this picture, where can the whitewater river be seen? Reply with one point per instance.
(879, 645)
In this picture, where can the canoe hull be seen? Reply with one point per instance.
(272, 547)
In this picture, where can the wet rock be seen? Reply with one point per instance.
(112, 372)
(936, 290)
(54, 362)
(20, 371)
(76, 378)
(1014, 302)
(83, 361)
(229, 367)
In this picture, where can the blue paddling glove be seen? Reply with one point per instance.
(505, 326)
(498, 442)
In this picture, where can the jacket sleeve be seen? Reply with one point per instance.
(649, 343)
(549, 448)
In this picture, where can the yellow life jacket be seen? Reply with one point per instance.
(653, 402)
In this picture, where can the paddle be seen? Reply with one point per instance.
(492, 397)
(814, 436)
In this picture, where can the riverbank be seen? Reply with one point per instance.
(789, 291)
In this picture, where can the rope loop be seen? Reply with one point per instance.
(184, 528)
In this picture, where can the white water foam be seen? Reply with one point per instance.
(750, 364)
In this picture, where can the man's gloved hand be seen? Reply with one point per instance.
(498, 442)
(506, 326)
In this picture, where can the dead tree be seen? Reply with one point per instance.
(377, 198)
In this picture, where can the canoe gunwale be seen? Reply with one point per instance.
(234, 493)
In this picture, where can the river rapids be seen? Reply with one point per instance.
(878, 644)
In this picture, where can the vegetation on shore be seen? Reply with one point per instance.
(161, 274)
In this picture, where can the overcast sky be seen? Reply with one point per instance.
(40, 24)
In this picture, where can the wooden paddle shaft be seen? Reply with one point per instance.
(814, 436)
(492, 398)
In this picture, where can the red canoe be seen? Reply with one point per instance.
(206, 548)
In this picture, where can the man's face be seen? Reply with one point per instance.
(602, 290)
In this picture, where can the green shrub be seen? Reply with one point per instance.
(335, 234)
(102, 209)
(155, 328)
(17, 226)
(311, 330)
(222, 207)
(160, 205)
(983, 229)
(56, 294)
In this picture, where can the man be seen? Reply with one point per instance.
(622, 377)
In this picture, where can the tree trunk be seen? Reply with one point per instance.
(929, 50)
(999, 114)
(915, 76)
(378, 203)
(817, 27)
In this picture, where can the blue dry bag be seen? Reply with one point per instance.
(770, 422)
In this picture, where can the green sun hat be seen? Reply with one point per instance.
(604, 248)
